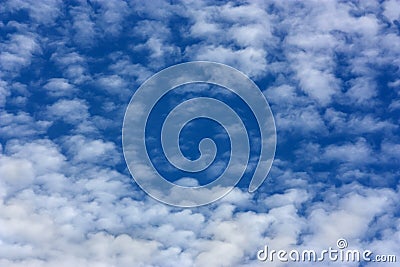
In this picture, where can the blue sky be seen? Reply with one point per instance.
(330, 72)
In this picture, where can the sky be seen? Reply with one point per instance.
(330, 71)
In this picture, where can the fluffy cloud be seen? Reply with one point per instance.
(17, 51)
(41, 12)
(4, 92)
(251, 61)
(71, 111)
(114, 84)
(57, 87)
(21, 125)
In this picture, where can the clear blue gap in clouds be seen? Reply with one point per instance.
(68, 69)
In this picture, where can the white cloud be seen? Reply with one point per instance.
(44, 11)
(394, 83)
(249, 60)
(303, 120)
(358, 152)
(222, 28)
(57, 87)
(152, 28)
(125, 68)
(251, 35)
(71, 111)
(350, 217)
(115, 85)
(391, 10)
(21, 125)
(65, 227)
(291, 196)
(65, 59)
(16, 174)
(395, 105)
(315, 77)
(157, 9)
(112, 15)
(73, 65)
(4, 93)
(356, 123)
(156, 41)
(362, 91)
(390, 151)
(83, 25)
(17, 51)
(86, 150)
(43, 154)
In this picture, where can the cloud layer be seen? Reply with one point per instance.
(67, 70)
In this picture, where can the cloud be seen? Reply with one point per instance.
(390, 151)
(84, 150)
(21, 125)
(115, 85)
(44, 12)
(391, 10)
(348, 212)
(57, 87)
(395, 105)
(362, 91)
(222, 28)
(251, 61)
(71, 111)
(357, 123)
(17, 51)
(73, 65)
(156, 41)
(44, 154)
(315, 79)
(17, 174)
(111, 16)
(305, 120)
(4, 93)
(83, 25)
(358, 152)
(124, 67)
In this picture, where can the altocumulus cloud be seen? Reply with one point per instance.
(329, 70)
